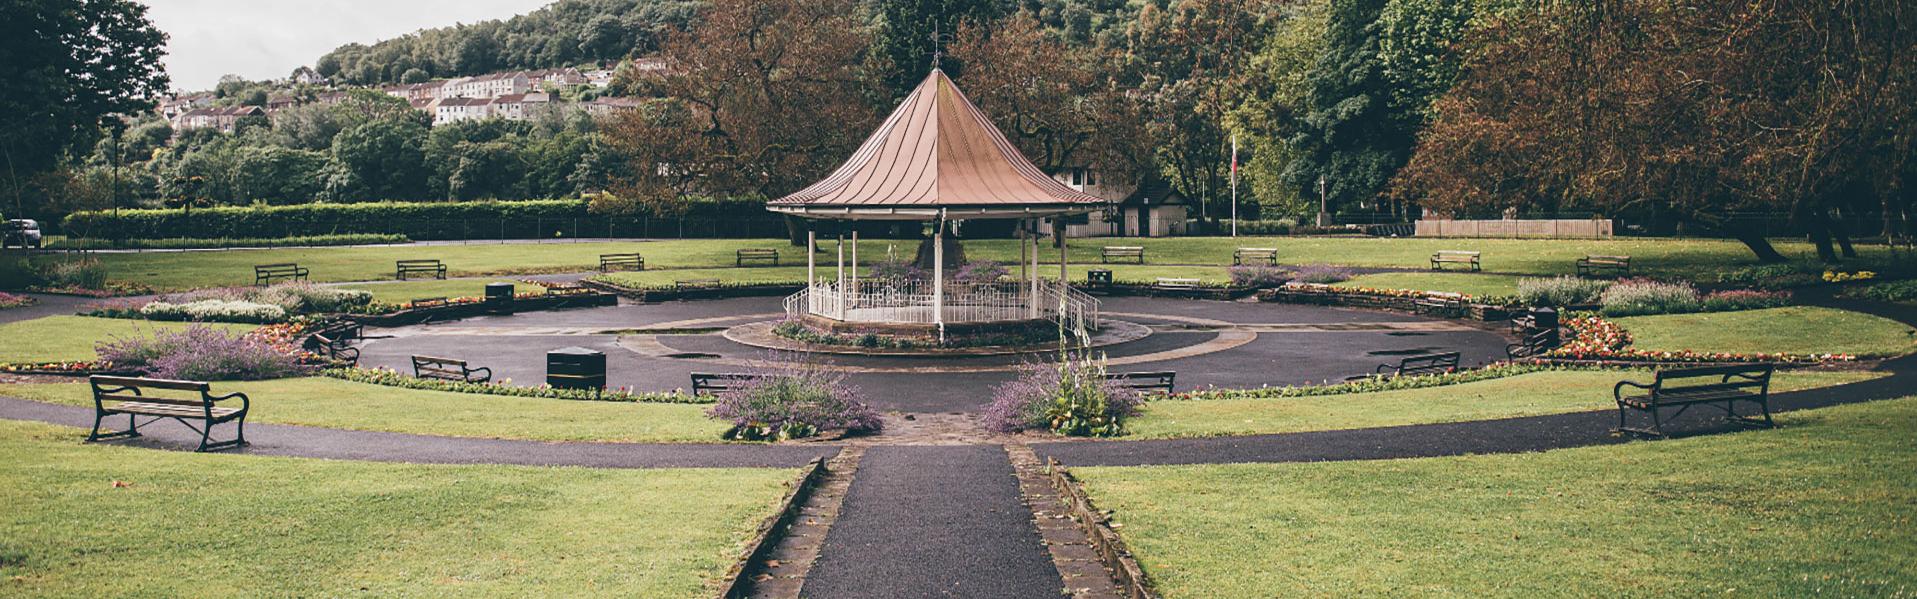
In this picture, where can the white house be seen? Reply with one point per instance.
(1149, 208)
(517, 107)
(488, 86)
(453, 110)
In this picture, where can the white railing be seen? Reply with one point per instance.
(911, 302)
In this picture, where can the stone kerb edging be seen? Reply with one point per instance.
(735, 585)
(666, 294)
(1404, 301)
(1105, 540)
(456, 311)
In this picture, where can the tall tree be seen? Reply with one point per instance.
(1352, 137)
(67, 67)
(1275, 94)
(1695, 109)
(1189, 61)
(761, 98)
(1051, 98)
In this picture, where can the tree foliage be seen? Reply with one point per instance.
(67, 68)
(564, 33)
(1188, 59)
(902, 38)
(1693, 108)
(1050, 97)
(760, 100)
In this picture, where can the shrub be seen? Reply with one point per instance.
(1282, 226)
(303, 297)
(1893, 291)
(1258, 276)
(1745, 299)
(1643, 296)
(793, 402)
(1323, 274)
(215, 310)
(1560, 291)
(980, 272)
(520, 219)
(1069, 398)
(898, 269)
(200, 352)
(82, 273)
(1768, 276)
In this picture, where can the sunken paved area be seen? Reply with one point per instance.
(1307, 347)
(946, 518)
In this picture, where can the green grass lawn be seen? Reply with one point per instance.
(333, 403)
(768, 274)
(1523, 395)
(181, 270)
(62, 338)
(209, 525)
(1480, 285)
(1796, 329)
(1819, 508)
(400, 292)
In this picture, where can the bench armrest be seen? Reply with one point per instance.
(1382, 368)
(245, 402)
(98, 390)
(489, 372)
(1617, 391)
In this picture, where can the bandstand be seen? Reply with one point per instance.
(938, 159)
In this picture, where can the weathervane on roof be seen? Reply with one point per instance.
(938, 49)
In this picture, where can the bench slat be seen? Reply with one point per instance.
(154, 409)
(178, 401)
(129, 381)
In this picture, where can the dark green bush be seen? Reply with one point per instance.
(416, 220)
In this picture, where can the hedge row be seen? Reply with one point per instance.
(415, 220)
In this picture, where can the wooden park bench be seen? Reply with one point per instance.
(1171, 285)
(135, 397)
(1682, 388)
(612, 262)
(1438, 363)
(1126, 252)
(403, 268)
(448, 369)
(1533, 343)
(1265, 256)
(1443, 257)
(335, 344)
(1144, 382)
(264, 274)
(714, 383)
(696, 283)
(1440, 303)
(766, 255)
(1617, 265)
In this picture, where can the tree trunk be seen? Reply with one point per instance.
(1842, 232)
(1759, 246)
(795, 230)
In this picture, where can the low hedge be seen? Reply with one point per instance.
(390, 378)
(416, 220)
(184, 243)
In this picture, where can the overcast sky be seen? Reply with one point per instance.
(265, 39)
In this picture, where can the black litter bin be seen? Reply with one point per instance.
(1098, 277)
(576, 368)
(499, 298)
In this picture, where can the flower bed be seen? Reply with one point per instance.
(390, 378)
(1387, 299)
(1071, 398)
(10, 300)
(1371, 385)
(794, 401)
(1595, 339)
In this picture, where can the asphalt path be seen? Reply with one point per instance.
(933, 522)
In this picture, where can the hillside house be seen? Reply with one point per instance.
(453, 110)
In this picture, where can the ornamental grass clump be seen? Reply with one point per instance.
(203, 353)
(1562, 291)
(1258, 276)
(215, 310)
(1071, 397)
(793, 402)
(1323, 274)
(1643, 296)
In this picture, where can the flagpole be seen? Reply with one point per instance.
(1234, 185)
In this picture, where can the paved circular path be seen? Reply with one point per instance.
(1209, 343)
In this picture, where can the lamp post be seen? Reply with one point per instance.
(1324, 204)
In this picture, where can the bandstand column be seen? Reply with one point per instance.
(841, 277)
(1058, 228)
(938, 275)
(1030, 235)
(855, 261)
(811, 266)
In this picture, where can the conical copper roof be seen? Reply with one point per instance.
(936, 154)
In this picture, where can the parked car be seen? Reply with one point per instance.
(23, 232)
